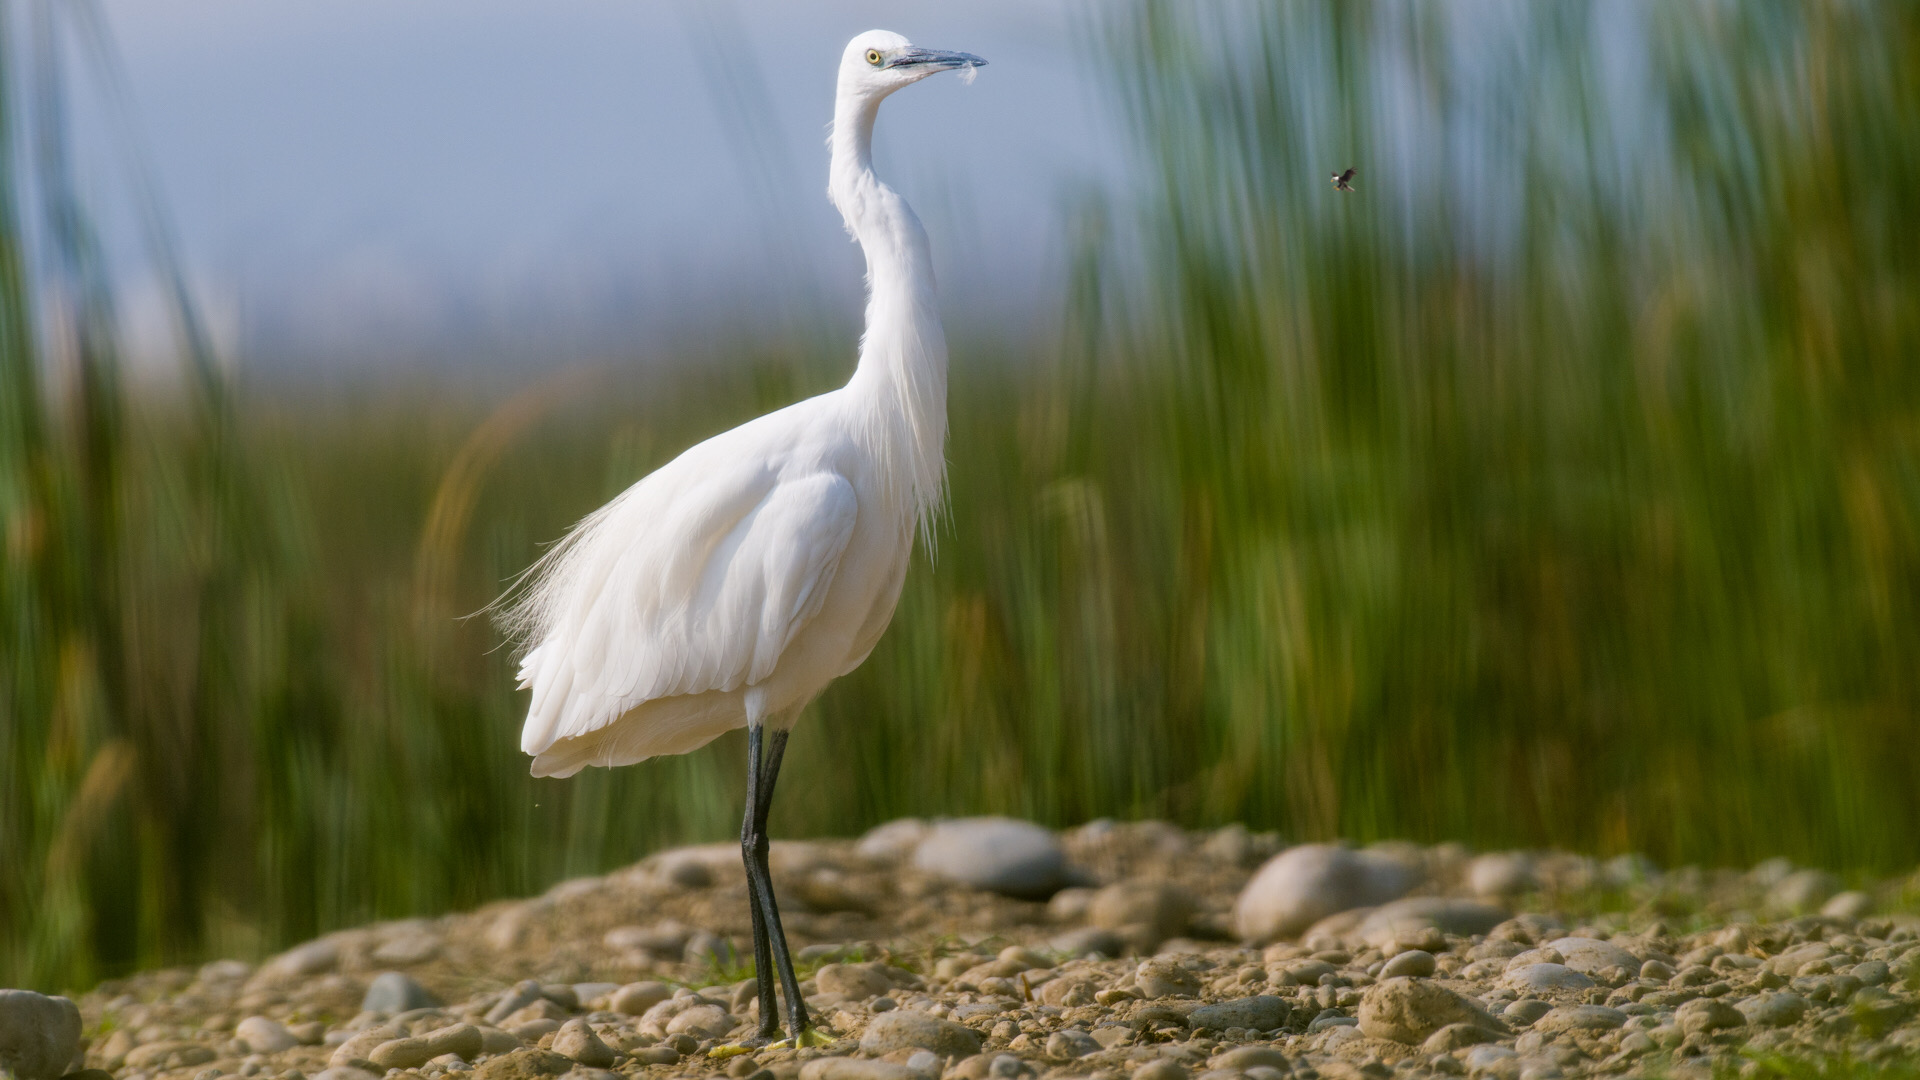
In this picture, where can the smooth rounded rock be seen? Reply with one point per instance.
(857, 981)
(524, 1064)
(1803, 890)
(1015, 858)
(1525, 1011)
(1410, 1010)
(1419, 916)
(578, 1041)
(1782, 1008)
(1456, 1037)
(1304, 884)
(1591, 956)
(1544, 979)
(1248, 1057)
(1703, 1015)
(848, 1068)
(1580, 1018)
(634, 999)
(1848, 905)
(1163, 978)
(904, 1029)
(1160, 1069)
(1501, 875)
(1263, 1012)
(1071, 1043)
(264, 1036)
(1414, 963)
(396, 992)
(893, 841)
(39, 1035)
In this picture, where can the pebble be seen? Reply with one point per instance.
(857, 981)
(523, 1065)
(1525, 1011)
(1802, 891)
(1304, 884)
(1261, 1013)
(1071, 1043)
(1707, 1015)
(578, 1041)
(1248, 1057)
(396, 992)
(1163, 978)
(1014, 858)
(1413, 962)
(1154, 910)
(847, 1068)
(1593, 957)
(1544, 978)
(39, 1035)
(312, 958)
(412, 1052)
(1501, 876)
(891, 842)
(903, 1029)
(1160, 1069)
(634, 999)
(1426, 919)
(1456, 1037)
(1410, 1010)
(1848, 905)
(1780, 1008)
(264, 1036)
(1580, 1018)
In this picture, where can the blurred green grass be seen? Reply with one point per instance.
(1561, 486)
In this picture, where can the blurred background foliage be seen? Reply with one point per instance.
(1560, 486)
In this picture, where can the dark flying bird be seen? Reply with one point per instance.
(1341, 180)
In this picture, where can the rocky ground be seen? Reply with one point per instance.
(996, 949)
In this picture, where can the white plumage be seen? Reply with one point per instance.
(728, 588)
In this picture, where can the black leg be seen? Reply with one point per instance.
(753, 840)
(764, 769)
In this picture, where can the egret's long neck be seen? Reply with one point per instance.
(902, 375)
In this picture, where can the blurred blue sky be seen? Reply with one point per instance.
(359, 182)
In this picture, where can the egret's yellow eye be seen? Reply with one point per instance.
(873, 57)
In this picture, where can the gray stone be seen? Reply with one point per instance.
(1848, 905)
(1304, 884)
(395, 992)
(1782, 1008)
(848, 1068)
(1525, 1011)
(1591, 956)
(312, 958)
(1411, 1010)
(1088, 940)
(1158, 908)
(1580, 1018)
(1015, 858)
(578, 1041)
(904, 1029)
(1802, 891)
(1544, 978)
(463, 1040)
(1261, 1013)
(1250, 1057)
(1071, 1043)
(634, 999)
(1706, 1015)
(1416, 963)
(1501, 876)
(893, 841)
(1418, 916)
(1456, 1037)
(39, 1035)
(264, 1036)
(1163, 978)
(1160, 1069)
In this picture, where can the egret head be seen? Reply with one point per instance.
(879, 62)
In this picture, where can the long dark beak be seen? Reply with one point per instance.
(936, 60)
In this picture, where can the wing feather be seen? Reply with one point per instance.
(682, 585)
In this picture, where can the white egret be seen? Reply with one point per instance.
(728, 588)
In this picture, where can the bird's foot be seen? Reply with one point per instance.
(807, 1037)
(744, 1046)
